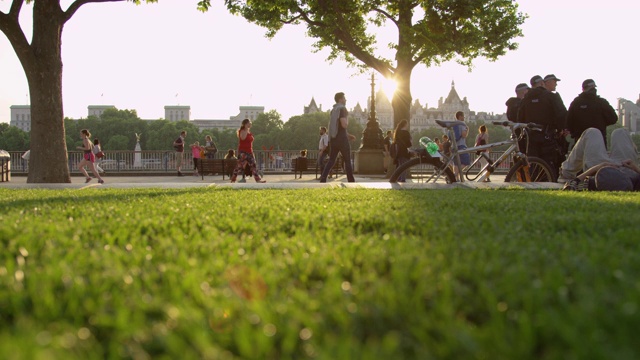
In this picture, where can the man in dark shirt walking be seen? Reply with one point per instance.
(589, 110)
(339, 138)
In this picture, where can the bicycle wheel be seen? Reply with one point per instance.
(424, 170)
(537, 171)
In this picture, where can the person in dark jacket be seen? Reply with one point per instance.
(589, 110)
(514, 102)
(540, 106)
(402, 138)
(551, 84)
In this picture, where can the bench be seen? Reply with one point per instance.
(338, 167)
(231, 164)
(211, 166)
(299, 165)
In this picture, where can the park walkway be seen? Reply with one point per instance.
(275, 181)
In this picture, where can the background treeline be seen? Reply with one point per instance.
(116, 130)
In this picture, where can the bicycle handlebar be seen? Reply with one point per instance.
(518, 125)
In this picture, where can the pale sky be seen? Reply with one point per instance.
(141, 57)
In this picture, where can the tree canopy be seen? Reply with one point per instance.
(429, 32)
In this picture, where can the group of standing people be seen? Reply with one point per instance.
(585, 121)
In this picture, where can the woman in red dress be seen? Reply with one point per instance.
(245, 152)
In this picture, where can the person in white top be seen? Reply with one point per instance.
(323, 148)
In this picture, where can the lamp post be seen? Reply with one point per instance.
(369, 158)
(372, 134)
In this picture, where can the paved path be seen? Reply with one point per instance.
(275, 181)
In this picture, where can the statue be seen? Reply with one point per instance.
(137, 157)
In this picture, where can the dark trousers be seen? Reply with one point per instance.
(321, 160)
(339, 144)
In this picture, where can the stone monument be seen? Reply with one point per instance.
(369, 158)
(137, 157)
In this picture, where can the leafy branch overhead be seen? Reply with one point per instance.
(428, 31)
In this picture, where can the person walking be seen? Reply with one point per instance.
(446, 145)
(178, 145)
(88, 157)
(386, 143)
(588, 110)
(339, 138)
(402, 141)
(98, 154)
(483, 139)
(460, 132)
(323, 148)
(196, 153)
(245, 152)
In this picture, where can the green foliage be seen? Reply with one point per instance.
(429, 32)
(13, 138)
(636, 140)
(326, 274)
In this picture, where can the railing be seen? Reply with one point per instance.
(165, 161)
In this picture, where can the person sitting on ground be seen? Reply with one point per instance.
(617, 171)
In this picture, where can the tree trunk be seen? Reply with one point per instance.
(49, 160)
(401, 102)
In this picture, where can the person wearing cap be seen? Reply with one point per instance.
(588, 110)
(617, 171)
(539, 106)
(551, 84)
(514, 102)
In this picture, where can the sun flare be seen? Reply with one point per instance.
(388, 86)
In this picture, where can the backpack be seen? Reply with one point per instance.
(393, 150)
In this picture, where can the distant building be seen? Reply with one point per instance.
(312, 108)
(248, 112)
(21, 117)
(97, 110)
(177, 112)
(629, 114)
(234, 122)
(422, 117)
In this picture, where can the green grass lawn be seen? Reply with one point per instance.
(319, 274)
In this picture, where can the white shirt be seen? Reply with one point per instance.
(324, 141)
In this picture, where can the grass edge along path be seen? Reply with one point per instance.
(317, 273)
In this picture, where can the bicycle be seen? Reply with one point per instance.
(425, 168)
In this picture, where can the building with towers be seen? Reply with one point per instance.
(312, 108)
(422, 117)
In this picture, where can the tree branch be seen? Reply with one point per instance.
(77, 4)
(292, 20)
(16, 5)
(10, 26)
(304, 16)
(387, 15)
